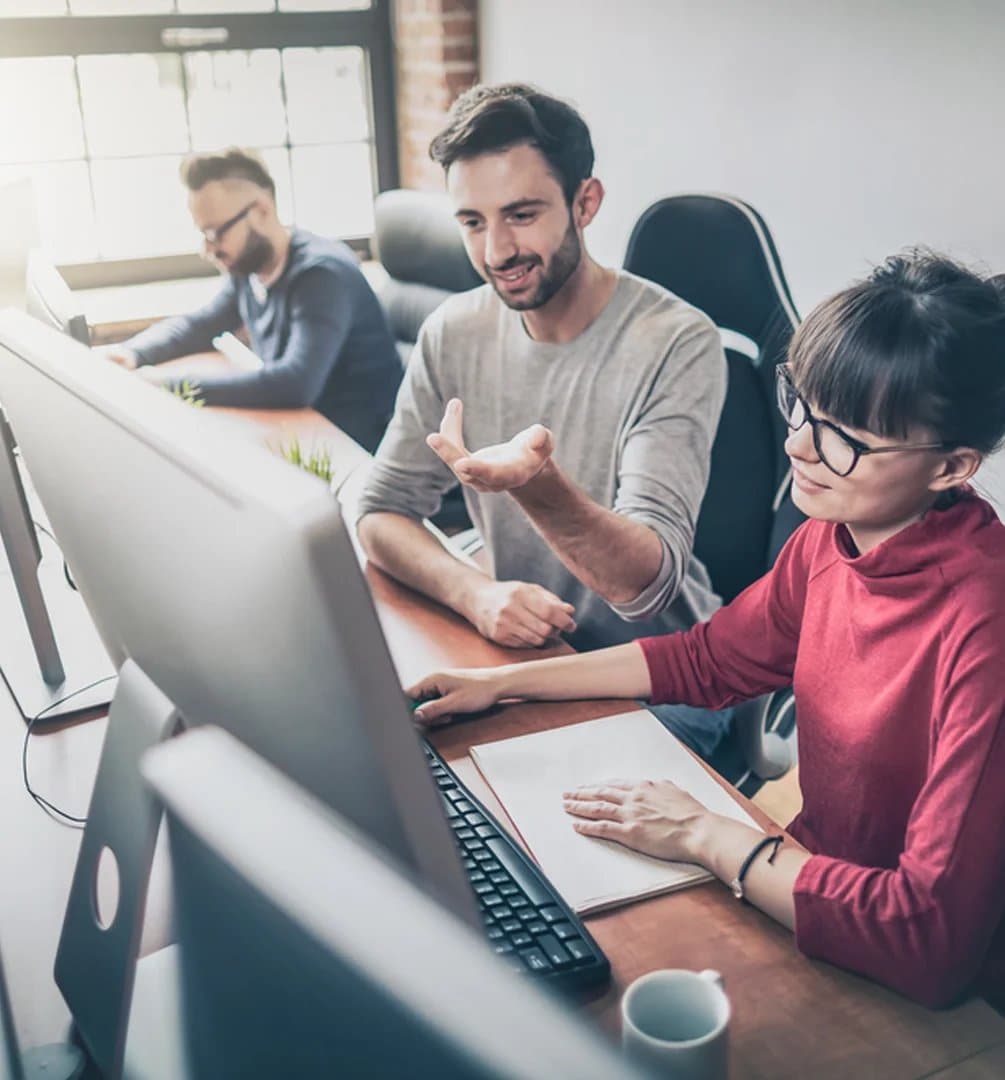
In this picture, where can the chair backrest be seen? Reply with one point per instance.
(715, 251)
(419, 245)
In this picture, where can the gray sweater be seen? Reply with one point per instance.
(633, 403)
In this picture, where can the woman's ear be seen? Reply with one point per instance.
(956, 468)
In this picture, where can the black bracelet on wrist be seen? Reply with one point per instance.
(775, 842)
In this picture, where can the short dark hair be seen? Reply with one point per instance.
(920, 343)
(488, 119)
(198, 170)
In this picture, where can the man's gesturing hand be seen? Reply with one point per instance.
(493, 468)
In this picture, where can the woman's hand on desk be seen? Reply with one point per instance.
(660, 819)
(655, 817)
(446, 694)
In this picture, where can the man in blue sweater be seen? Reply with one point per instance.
(311, 316)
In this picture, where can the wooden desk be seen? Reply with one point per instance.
(793, 1017)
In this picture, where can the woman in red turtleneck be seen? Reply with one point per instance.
(886, 612)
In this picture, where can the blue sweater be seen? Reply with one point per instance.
(321, 333)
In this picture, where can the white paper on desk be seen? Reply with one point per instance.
(529, 773)
(237, 352)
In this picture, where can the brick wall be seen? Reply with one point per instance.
(436, 43)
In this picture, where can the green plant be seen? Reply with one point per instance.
(186, 391)
(317, 461)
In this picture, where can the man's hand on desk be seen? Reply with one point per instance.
(125, 358)
(517, 613)
(152, 375)
(494, 468)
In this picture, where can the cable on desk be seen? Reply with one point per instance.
(58, 815)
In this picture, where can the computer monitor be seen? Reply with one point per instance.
(304, 952)
(10, 1054)
(229, 578)
(48, 298)
(50, 653)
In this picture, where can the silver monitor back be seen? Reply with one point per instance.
(48, 298)
(10, 1054)
(229, 577)
(306, 953)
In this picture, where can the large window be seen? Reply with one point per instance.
(103, 98)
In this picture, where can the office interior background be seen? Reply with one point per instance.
(855, 127)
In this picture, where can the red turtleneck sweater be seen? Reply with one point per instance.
(896, 660)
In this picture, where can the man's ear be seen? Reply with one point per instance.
(586, 202)
(955, 468)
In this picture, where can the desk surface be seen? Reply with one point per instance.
(793, 1017)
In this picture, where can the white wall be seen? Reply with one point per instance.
(856, 127)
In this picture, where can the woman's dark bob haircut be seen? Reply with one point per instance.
(917, 349)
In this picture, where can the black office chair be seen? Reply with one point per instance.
(418, 244)
(715, 251)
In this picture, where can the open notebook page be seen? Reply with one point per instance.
(529, 773)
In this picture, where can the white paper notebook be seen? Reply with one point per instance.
(529, 773)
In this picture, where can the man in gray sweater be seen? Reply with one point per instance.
(576, 404)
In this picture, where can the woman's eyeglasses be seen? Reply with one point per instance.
(838, 450)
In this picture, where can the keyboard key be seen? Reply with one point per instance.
(463, 805)
(511, 925)
(503, 948)
(535, 960)
(518, 872)
(579, 949)
(486, 832)
(479, 851)
(551, 914)
(453, 816)
(500, 877)
(491, 866)
(474, 876)
(469, 865)
(521, 938)
(518, 901)
(527, 913)
(483, 887)
(474, 818)
(538, 926)
(465, 834)
(508, 889)
(494, 933)
(455, 795)
(563, 931)
(491, 899)
(554, 950)
(504, 911)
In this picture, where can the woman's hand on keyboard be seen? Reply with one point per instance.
(445, 694)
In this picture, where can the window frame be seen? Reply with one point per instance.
(108, 35)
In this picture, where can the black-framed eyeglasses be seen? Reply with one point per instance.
(214, 236)
(838, 450)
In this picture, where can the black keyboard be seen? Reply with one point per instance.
(526, 922)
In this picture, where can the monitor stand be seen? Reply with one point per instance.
(49, 647)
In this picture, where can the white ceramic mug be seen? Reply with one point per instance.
(675, 1023)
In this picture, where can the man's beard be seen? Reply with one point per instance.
(257, 253)
(560, 268)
